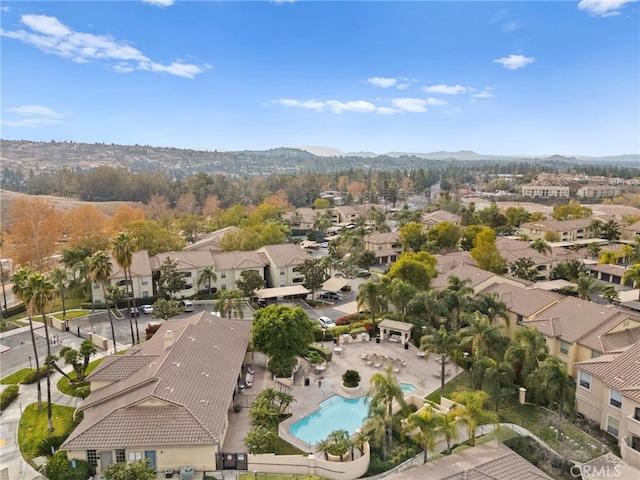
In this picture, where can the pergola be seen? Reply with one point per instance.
(395, 331)
(282, 292)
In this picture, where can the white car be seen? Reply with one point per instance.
(146, 309)
(326, 322)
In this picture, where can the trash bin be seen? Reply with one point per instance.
(406, 345)
(168, 473)
(306, 382)
(377, 339)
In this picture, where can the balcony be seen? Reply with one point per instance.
(629, 455)
(633, 425)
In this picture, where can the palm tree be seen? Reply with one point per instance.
(480, 337)
(123, 245)
(541, 246)
(100, 271)
(525, 352)
(473, 414)
(384, 391)
(41, 291)
(596, 227)
(448, 426)
(378, 422)
(400, 294)
(207, 276)
(371, 296)
(608, 257)
(440, 342)
(557, 385)
(20, 290)
(632, 275)
(425, 422)
(228, 303)
(585, 286)
(490, 305)
(611, 230)
(498, 375)
(594, 249)
(456, 297)
(59, 277)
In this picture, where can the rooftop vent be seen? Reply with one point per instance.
(168, 339)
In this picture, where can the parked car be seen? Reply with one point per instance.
(329, 295)
(146, 309)
(326, 322)
(363, 273)
(187, 305)
(134, 312)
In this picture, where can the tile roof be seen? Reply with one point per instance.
(285, 254)
(140, 266)
(601, 340)
(609, 462)
(239, 260)
(523, 301)
(475, 275)
(490, 461)
(192, 381)
(383, 237)
(211, 241)
(620, 371)
(451, 260)
(119, 367)
(185, 260)
(607, 268)
(512, 250)
(440, 216)
(559, 225)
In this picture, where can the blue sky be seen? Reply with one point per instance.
(496, 77)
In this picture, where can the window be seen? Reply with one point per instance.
(584, 379)
(564, 347)
(298, 280)
(96, 286)
(613, 426)
(636, 414)
(595, 354)
(145, 281)
(223, 275)
(519, 319)
(135, 456)
(616, 399)
(282, 271)
(185, 274)
(92, 457)
(223, 286)
(120, 455)
(145, 293)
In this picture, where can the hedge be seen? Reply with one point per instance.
(32, 376)
(15, 310)
(8, 395)
(122, 303)
(324, 352)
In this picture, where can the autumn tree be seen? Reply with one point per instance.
(88, 228)
(211, 206)
(187, 204)
(34, 230)
(124, 215)
(486, 253)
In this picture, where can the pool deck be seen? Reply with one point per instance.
(322, 385)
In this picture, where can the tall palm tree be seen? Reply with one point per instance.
(59, 277)
(540, 245)
(474, 414)
(596, 227)
(585, 286)
(448, 427)
(207, 276)
(440, 342)
(371, 296)
(427, 305)
(557, 385)
(457, 297)
(480, 337)
(632, 275)
(498, 375)
(228, 303)
(385, 390)
(123, 248)
(20, 290)
(378, 421)
(41, 291)
(611, 230)
(608, 257)
(525, 352)
(425, 422)
(594, 249)
(100, 271)
(490, 305)
(400, 294)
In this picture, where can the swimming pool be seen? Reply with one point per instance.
(335, 413)
(408, 387)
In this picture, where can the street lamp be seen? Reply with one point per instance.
(30, 366)
(255, 475)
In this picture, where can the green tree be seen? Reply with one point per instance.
(123, 249)
(610, 294)
(366, 259)
(541, 246)
(524, 268)
(41, 291)
(79, 359)
(490, 305)
(228, 303)
(321, 203)
(151, 236)
(525, 352)
(557, 386)
(571, 211)
(260, 439)
(480, 337)
(249, 282)
(457, 297)
(20, 280)
(140, 470)
(448, 427)
(611, 230)
(469, 236)
(586, 286)
(314, 274)
(400, 294)
(282, 333)
(59, 277)
(486, 253)
(413, 236)
(100, 272)
(632, 275)
(170, 280)
(417, 269)
(207, 276)
(499, 375)
(385, 390)
(443, 343)
(596, 227)
(444, 237)
(594, 249)
(165, 309)
(516, 216)
(371, 296)
(570, 270)
(474, 414)
(608, 257)
(424, 425)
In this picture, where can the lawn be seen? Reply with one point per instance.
(458, 384)
(275, 476)
(73, 314)
(33, 426)
(64, 384)
(15, 377)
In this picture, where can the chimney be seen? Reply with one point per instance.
(168, 339)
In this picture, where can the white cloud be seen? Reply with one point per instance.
(160, 3)
(55, 38)
(603, 8)
(30, 122)
(436, 101)
(5, 9)
(510, 26)
(484, 94)
(415, 105)
(446, 89)
(382, 82)
(35, 110)
(402, 86)
(513, 62)
(387, 111)
(309, 104)
(335, 105)
(37, 115)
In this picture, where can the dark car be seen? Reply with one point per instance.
(329, 295)
(363, 273)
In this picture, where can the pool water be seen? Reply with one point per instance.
(408, 387)
(335, 413)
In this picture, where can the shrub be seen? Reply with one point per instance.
(324, 352)
(32, 376)
(351, 378)
(15, 310)
(151, 329)
(8, 395)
